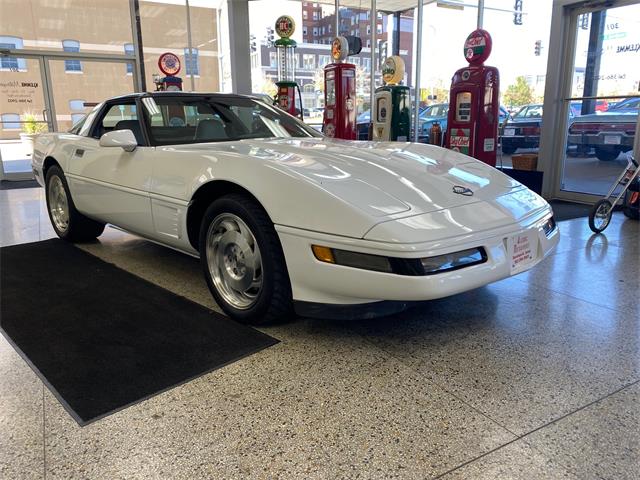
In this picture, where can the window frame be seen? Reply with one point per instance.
(188, 62)
(130, 51)
(3, 121)
(67, 62)
(18, 44)
(91, 132)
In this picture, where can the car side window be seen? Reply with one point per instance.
(119, 116)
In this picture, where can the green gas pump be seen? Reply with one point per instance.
(392, 104)
(285, 50)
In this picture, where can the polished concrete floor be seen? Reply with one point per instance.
(534, 377)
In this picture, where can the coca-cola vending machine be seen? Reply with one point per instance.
(472, 122)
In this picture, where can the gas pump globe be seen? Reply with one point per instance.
(169, 64)
(392, 104)
(285, 50)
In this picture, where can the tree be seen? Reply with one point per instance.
(518, 94)
(318, 81)
(263, 84)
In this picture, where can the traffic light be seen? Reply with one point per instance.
(517, 12)
(270, 38)
(583, 21)
(382, 55)
(538, 47)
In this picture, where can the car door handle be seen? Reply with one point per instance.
(79, 152)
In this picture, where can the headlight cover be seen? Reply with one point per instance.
(413, 267)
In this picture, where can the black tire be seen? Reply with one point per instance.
(508, 148)
(600, 207)
(274, 301)
(79, 227)
(607, 154)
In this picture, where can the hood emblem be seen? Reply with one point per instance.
(460, 190)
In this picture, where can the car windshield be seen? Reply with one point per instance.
(435, 111)
(175, 120)
(529, 111)
(629, 104)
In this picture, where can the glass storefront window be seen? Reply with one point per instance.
(604, 108)
(45, 25)
(164, 29)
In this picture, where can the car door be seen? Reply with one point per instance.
(109, 183)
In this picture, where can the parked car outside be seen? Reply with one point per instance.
(502, 117)
(601, 106)
(608, 133)
(433, 113)
(362, 125)
(522, 130)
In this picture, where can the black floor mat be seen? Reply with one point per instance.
(102, 338)
(12, 185)
(568, 210)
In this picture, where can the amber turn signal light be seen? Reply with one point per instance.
(324, 254)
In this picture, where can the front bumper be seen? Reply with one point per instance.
(317, 282)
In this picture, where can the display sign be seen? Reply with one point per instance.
(169, 63)
(285, 26)
(522, 249)
(460, 140)
(477, 47)
(393, 70)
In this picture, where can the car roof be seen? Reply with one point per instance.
(132, 96)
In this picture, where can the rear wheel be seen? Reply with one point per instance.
(607, 154)
(68, 223)
(243, 261)
(600, 215)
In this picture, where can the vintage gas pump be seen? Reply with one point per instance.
(472, 123)
(340, 90)
(169, 64)
(285, 50)
(392, 104)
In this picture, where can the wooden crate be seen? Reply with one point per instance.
(525, 161)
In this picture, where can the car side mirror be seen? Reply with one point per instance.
(124, 139)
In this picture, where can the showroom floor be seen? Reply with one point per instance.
(537, 376)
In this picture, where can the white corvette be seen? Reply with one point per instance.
(282, 217)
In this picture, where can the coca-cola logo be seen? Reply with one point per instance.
(459, 141)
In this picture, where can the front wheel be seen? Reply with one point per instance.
(68, 223)
(600, 215)
(243, 261)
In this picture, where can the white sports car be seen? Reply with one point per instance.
(282, 217)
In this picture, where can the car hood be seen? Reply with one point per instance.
(346, 187)
(382, 179)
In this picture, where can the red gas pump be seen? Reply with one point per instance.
(169, 64)
(340, 90)
(472, 122)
